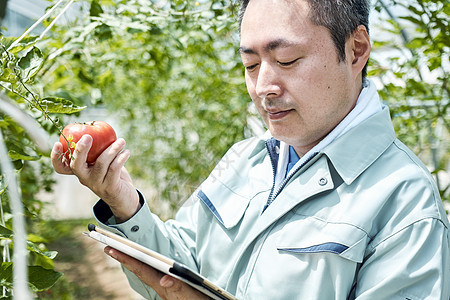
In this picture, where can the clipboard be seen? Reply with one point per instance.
(159, 262)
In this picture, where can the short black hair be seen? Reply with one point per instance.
(340, 17)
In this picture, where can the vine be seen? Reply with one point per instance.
(21, 60)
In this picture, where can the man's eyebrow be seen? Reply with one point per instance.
(246, 50)
(271, 46)
(279, 43)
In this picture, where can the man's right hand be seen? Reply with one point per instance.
(107, 178)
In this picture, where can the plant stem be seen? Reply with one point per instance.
(38, 135)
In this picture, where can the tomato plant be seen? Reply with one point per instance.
(102, 133)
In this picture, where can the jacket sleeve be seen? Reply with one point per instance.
(174, 238)
(413, 263)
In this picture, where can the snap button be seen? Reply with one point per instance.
(134, 228)
(323, 181)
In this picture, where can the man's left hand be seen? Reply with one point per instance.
(166, 286)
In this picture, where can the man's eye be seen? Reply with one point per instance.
(251, 67)
(286, 64)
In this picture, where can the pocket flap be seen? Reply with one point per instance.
(311, 235)
(227, 211)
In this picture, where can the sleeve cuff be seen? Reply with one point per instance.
(104, 214)
(106, 219)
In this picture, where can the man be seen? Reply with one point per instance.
(327, 205)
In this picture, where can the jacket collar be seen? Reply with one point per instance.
(354, 151)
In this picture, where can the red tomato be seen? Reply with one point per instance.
(102, 133)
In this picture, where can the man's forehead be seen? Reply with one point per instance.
(272, 21)
(296, 6)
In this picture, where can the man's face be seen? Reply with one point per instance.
(293, 74)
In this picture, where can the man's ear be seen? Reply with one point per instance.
(359, 48)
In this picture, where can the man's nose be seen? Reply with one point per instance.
(268, 82)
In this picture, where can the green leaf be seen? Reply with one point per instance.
(39, 278)
(59, 106)
(434, 63)
(2, 187)
(413, 20)
(6, 276)
(5, 232)
(36, 238)
(42, 260)
(25, 43)
(31, 63)
(17, 164)
(85, 78)
(23, 156)
(8, 76)
(103, 32)
(95, 9)
(415, 10)
(33, 247)
(416, 43)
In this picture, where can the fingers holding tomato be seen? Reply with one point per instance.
(79, 155)
(109, 179)
(108, 166)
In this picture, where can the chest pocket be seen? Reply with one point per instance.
(310, 235)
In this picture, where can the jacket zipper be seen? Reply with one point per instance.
(274, 161)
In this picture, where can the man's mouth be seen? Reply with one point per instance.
(278, 115)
